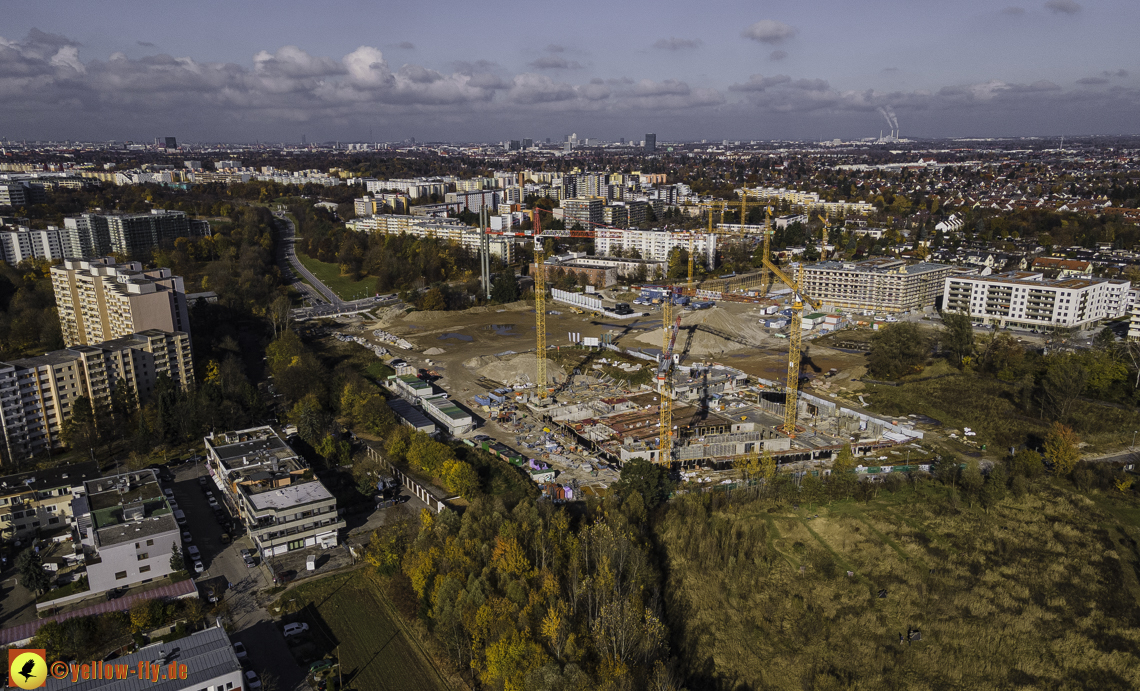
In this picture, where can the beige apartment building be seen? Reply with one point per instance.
(38, 502)
(99, 300)
(37, 394)
(882, 285)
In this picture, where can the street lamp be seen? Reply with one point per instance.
(1133, 447)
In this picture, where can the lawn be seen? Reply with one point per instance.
(330, 275)
(348, 611)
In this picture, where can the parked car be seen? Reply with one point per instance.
(173, 504)
(198, 567)
(225, 538)
(295, 628)
(192, 550)
(251, 680)
(249, 564)
(187, 537)
(202, 481)
(239, 650)
(169, 493)
(114, 593)
(320, 666)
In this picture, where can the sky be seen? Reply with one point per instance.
(355, 71)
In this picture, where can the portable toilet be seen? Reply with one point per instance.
(311, 562)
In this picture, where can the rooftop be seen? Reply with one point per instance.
(291, 496)
(245, 447)
(207, 655)
(126, 507)
(883, 265)
(52, 478)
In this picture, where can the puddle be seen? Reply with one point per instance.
(502, 329)
(458, 337)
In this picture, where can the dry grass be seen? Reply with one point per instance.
(1037, 594)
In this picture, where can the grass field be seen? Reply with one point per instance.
(1041, 592)
(330, 275)
(347, 611)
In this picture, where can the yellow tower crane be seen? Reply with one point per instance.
(540, 310)
(766, 254)
(670, 325)
(823, 238)
(791, 394)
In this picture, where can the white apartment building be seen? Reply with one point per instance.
(654, 244)
(127, 530)
(413, 188)
(439, 228)
(24, 243)
(274, 491)
(1028, 299)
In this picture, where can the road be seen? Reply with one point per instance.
(323, 302)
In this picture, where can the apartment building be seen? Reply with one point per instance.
(99, 300)
(37, 393)
(97, 234)
(1029, 299)
(13, 194)
(370, 205)
(654, 244)
(586, 212)
(1134, 324)
(413, 188)
(448, 230)
(38, 502)
(883, 285)
(274, 491)
(475, 200)
(127, 530)
(615, 215)
(25, 243)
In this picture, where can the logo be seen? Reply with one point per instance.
(27, 669)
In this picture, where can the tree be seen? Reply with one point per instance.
(972, 480)
(844, 460)
(434, 301)
(280, 314)
(79, 432)
(959, 335)
(32, 573)
(767, 467)
(505, 287)
(1065, 381)
(648, 479)
(176, 562)
(1026, 463)
(897, 350)
(1061, 449)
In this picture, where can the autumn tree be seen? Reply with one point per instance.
(959, 335)
(1061, 449)
(897, 350)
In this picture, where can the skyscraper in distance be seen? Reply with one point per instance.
(650, 143)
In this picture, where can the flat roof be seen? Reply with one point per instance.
(1036, 279)
(207, 655)
(51, 478)
(291, 496)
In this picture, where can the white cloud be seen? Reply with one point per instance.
(769, 31)
(550, 62)
(759, 82)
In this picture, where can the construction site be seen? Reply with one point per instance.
(697, 386)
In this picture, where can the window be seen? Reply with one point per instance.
(142, 556)
(296, 544)
(120, 575)
(144, 569)
(149, 543)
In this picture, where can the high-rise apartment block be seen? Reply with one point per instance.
(587, 213)
(882, 284)
(99, 300)
(650, 143)
(97, 234)
(37, 394)
(654, 244)
(24, 243)
(1027, 299)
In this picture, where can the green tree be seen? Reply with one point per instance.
(32, 574)
(959, 335)
(1026, 463)
(176, 561)
(972, 480)
(678, 263)
(80, 432)
(1061, 449)
(505, 287)
(310, 419)
(648, 479)
(1065, 380)
(434, 300)
(897, 350)
(994, 489)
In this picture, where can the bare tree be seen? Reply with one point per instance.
(280, 315)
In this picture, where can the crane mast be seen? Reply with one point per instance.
(670, 325)
(540, 308)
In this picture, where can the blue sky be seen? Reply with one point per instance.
(238, 71)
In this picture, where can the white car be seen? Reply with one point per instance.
(251, 680)
(198, 567)
(239, 650)
(295, 628)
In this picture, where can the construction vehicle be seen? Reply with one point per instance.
(670, 325)
(795, 334)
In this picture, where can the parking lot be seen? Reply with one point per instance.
(252, 624)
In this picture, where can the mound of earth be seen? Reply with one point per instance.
(434, 351)
(514, 369)
(745, 331)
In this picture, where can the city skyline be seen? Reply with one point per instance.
(357, 71)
